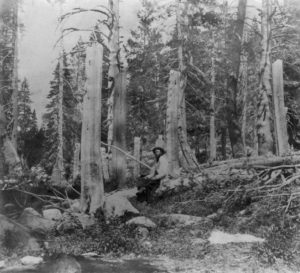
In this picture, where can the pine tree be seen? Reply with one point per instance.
(27, 122)
(51, 119)
(147, 82)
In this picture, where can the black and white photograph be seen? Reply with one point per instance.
(150, 136)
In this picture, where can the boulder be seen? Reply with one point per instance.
(85, 220)
(5, 224)
(52, 214)
(173, 184)
(20, 233)
(2, 264)
(141, 221)
(31, 260)
(75, 205)
(117, 204)
(35, 221)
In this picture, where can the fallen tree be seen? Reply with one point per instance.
(253, 162)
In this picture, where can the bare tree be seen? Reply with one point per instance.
(92, 191)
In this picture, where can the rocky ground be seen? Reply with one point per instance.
(179, 232)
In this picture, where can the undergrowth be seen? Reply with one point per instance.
(114, 238)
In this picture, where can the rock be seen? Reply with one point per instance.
(174, 185)
(117, 204)
(31, 260)
(65, 264)
(141, 221)
(67, 223)
(85, 220)
(147, 244)
(213, 216)
(32, 245)
(143, 232)
(2, 264)
(52, 214)
(90, 255)
(220, 237)
(127, 193)
(75, 205)
(20, 233)
(5, 224)
(35, 221)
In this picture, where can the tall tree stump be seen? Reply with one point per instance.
(76, 161)
(92, 191)
(137, 155)
(105, 164)
(119, 130)
(172, 121)
(280, 111)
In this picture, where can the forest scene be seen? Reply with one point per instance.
(149, 136)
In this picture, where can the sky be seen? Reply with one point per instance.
(37, 51)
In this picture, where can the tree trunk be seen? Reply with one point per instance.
(264, 133)
(243, 85)
(280, 111)
(15, 75)
(137, 155)
(188, 158)
(223, 142)
(119, 130)
(105, 164)
(92, 191)
(212, 127)
(113, 67)
(234, 126)
(76, 161)
(172, 121)
(58, 169)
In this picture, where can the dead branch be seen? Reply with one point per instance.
(128, 155)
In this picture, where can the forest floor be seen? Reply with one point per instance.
(186, 247)
(229, 205)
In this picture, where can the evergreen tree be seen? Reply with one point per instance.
(27, 124)
(70, 126)
(147, 83)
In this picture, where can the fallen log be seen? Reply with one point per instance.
(253, 162)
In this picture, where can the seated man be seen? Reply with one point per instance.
(149, 184)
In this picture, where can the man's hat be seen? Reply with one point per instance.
(159, 148)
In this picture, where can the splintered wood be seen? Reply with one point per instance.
(92, 191)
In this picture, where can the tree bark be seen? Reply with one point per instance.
(57, 176)
(188, 159)
(172, 121)
(280, 111)
(113, 66)
(137, 155)
(212, 127)
(119, 130)
(264, 133)
(92, 191)
(15, 75)
(234, 125)
(243, 85)
(58, 169)
(105, 164)
(76, 161)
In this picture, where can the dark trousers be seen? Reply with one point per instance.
(146, 189)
